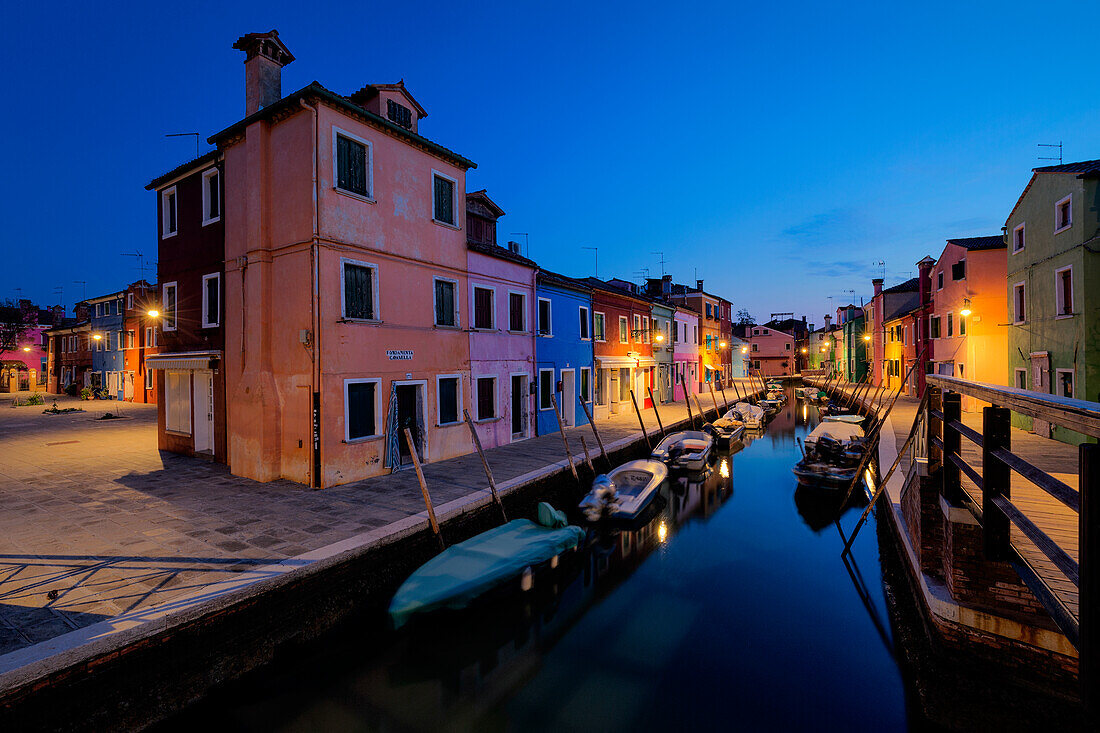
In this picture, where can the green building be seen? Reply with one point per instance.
(1054, 289)
(851, 353)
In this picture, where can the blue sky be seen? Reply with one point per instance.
(776, 152)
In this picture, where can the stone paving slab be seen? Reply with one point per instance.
(97, 525)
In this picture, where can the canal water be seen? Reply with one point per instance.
(729, 608)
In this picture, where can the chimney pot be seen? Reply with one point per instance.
(698, 284)
(265, 57)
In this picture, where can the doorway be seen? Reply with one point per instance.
(204, 411)
(519, 406)
(1040, 382)
(408, 416)
(569, 397)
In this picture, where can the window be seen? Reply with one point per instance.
(1063, 214)
(958, 270)
(177, 401)
(129, 301)
(599, 327)
(1021, 379)
(360, 408)
(962, 325)
(443, 199)
(934, 327)
(756, 364)
(645, 329)
(167, 215)
(399, 114)
(787, 347)
(1018, 240)
(360, 296)
(148, 336)
(939, 280)
(98, 310)
(128, 339)
(106, 341)
(1064, 382)
(586, 384)
(623, 330)
(483, 308)
(546, 389)
(449, 389)
(1019, 305)
(950, 325)
(708, 310)
(486, 398)
(764, 331)
(211, 197)
(149, 378)
(352, 161)
(211, 300)
(756, 347)
(584, 323)
(1063, 291)
(168, 304)
(544, 317)
(695, 334)
(517, 312)
(446, 305)
(708, 342)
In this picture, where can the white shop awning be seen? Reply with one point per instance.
(614, 362)
(184, 360)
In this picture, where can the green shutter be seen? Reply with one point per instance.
(358, 292)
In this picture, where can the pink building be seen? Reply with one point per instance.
(24, 360)
(772, 352)
(685, 354)
(345, 281)
(502, 340)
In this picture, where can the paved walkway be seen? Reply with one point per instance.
(97, 524)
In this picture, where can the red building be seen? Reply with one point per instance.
(140, 338)
(190, 343)
(624, 360)
(69, 356)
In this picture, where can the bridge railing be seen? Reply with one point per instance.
(997, 513)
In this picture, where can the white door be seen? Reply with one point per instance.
(568, 397)
(204, 411)
(128, 385)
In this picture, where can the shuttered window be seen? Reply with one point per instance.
(599, 327)
(351, 166)
(483, 308)
(584, 322)
(445, 311)
(399, 113)
(361, 397)
(544, 317)
(448, 400)
(517, 312)
(177, 402)
(358, 291)
(443, 206)
(958, 270)
(486, 398)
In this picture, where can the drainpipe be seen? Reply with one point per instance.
(533, 421)
(315, 315)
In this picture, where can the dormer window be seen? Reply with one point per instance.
(399, 114)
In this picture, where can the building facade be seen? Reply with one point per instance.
(624, 361)
(139, 339)
(24, 361)
(567, 330)
(108, 364)
(661, 319)
(687, 363)
(771, 351)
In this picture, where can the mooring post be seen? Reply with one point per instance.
(564, 440)
(424, 489)
(717, 412)
(952, 445)
(656, 414)
(687, 401)
(642, 424)
(484, 462)
(1089, 568)
(592, 424)
(699, 407)
(587, 456)
(996, 481)
(725, 400)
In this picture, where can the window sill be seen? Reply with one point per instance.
(446, 224)
(475, 329)
(353, 195)
(445, 327)
(1019, 323)
(211, 325)
(364, 439)
(545, 335)
(519, 333)
(1064, 316)
(176, 433)
(1066, 228)
(483, 420)
(448, 424)
(362, 321)
(208, 222)
(169, 235)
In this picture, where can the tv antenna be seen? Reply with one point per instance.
(596, 254)
(84, 283)
(526, 242)
(59, 291)
(881, 264)
(642, 273)
(1052, 145)
(662, 261)
(140, 261)
(198, 150)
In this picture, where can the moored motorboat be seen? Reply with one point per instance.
(726, 430)
(752, 415)
(463, 572)
(624, 492)
(841, 431)
(688, 450)
(770, 406)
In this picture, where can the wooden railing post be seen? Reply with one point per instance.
(935, 428)
(952, 446)
(1089, 584)
(996, 480)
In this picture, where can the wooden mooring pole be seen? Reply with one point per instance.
(592, 424)
(699, 407)
(484, 462)
(656, 414)
(1088, 458)
(717, 412)
(424, 489)
(587, 455)
(642, 424)
(564, 440)
(687, 401)
(725, 400)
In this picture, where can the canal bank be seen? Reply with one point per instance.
(131, 669)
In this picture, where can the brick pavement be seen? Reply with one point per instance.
(96, 522)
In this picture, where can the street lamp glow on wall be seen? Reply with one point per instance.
(966, 308)
(744, 349)
(26, 348)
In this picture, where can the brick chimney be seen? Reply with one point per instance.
(666, 285)
(877, 282)
(699, 285)
(265, 57)
(924, 281)
(828, 322)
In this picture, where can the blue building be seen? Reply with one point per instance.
(564, 332)
(108, 360)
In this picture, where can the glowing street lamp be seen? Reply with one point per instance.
(866, 337)
(744, 349)
(721, 344)
(805, 350)
(26, 348)
(154, 313)
(966, 308)
(97, 336)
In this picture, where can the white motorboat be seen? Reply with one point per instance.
(688, 450)
(842, 432)
(850, 419)
(748, 413)
(727, 429)
(625, 492)
(771, 406)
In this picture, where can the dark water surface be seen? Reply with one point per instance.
(730, 609)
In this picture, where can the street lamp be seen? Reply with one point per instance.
(805, 350)
(744, 349)
(154, 313)
(659, 338)
(97, 336)
(866, 337)
(721, 344)
(966, 308)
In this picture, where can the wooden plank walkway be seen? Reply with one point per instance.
(1058, 521)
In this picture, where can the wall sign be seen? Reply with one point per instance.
(399, 355)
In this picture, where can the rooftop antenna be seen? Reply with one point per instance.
(596, 254)
(1052, 145)
(662, 261)
(140, 261)
(85, 284)
(642, 273)
(59, 291)
(526, 242)
(198, 150)
(882, 267)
